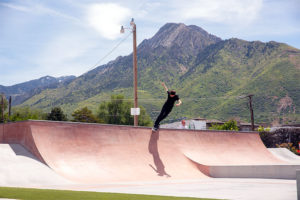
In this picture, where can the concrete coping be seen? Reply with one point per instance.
(128, 126)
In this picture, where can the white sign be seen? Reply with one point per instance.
(135, 111)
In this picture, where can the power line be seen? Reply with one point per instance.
(162, 99)
(106, 55)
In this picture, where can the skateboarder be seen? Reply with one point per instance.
(167, 108)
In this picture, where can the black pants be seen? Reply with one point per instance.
(163, 114)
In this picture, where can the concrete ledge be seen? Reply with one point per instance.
(255, 171)
(285, 155)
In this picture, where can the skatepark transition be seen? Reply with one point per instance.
(95, 153)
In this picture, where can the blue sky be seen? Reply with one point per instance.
(69, 37)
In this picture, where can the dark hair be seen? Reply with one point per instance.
(173, 92)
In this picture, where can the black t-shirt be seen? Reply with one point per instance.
(170, 101)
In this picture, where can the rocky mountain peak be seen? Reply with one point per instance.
(178, 34)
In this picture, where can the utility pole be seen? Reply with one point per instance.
(250, 107)
(9, 106)
(251, 111)
(2, 107)
(136, 110)
(134, 70)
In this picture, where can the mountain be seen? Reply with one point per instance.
(190, 39)
(23, 91)
(234, 67)
(209, 74)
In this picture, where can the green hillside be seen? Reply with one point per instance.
(235, 67)
(208, 73)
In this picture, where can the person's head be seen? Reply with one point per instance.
(183, 122)
(172, 93)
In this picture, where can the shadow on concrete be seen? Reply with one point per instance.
(19, 150)
(153, 149)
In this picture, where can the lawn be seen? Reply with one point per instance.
(42, 194)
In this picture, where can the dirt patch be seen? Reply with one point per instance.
(285, 103)
(295, 59)
(183, 69)
(274, 98)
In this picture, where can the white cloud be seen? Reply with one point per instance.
(39, 9)
(16, 7)
(228, 12)
(43, 10)
(107, 18)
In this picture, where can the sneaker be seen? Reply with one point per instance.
(154, 129)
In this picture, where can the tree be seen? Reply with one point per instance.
(57, 114)
(84, 115)
(117, 111)
(25, 113)
(5, 107)
(230, 125)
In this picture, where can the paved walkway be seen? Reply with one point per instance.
(234, 189)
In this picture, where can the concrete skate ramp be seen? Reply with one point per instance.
(285, 154)
(96, 153)
(20, 168)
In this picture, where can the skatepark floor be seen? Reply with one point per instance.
(234, 189)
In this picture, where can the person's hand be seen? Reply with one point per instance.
(179, 103)
(162, 83)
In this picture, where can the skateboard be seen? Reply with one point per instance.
(155, 129)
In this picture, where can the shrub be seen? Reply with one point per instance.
(230, 125)
(84, 115)
(262, 129)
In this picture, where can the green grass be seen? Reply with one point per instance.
(43, 194)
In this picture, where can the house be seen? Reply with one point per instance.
(197, 123)
(205, 124)
(244, 126)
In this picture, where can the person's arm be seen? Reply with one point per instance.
(164, 85)
(179, 102)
